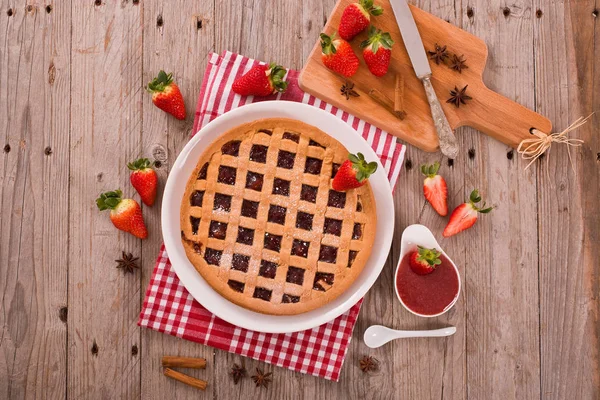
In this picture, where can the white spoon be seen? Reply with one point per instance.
(378, 335)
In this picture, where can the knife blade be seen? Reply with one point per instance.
(416, 52)
(411, 38)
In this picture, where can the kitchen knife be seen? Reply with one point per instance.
(416, 53)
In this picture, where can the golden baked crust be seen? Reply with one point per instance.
(262, 225)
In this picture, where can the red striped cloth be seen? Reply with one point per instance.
(169, 308)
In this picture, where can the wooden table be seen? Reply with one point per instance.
(73, 112)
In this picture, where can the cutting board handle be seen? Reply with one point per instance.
(502, 118)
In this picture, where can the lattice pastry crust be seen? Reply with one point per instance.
(262, 225)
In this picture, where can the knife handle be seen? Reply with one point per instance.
(448, 142)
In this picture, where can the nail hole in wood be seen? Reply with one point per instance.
(7, 148)
(510, 155)
(134, 350)
(95, 348)
(159, 21)
(48, 150)
(49, 8)
(99, 176)
(450, 162)
(9, 12)
(539, 13)
(595, 13)
(63, 314)
(136, 2)
(506, 11)
(408, 165)
(97, 3)
(198, 23)
(29, 8)
(471, 153)
(470, 12)
(157, 164)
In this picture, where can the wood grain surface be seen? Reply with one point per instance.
(73, 112)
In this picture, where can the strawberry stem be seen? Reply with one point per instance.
(430, 171)
(476, 198)
(327, 45)
(363, 169)
(139, 164)
(430, 256)
(159, 83)
(378, 38)
(109, 200)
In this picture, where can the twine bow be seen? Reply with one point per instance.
(532, 149)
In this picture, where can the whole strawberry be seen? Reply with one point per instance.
(464, 216)
(423, 261)
(261, 80)
(338, 56)
(353, 173)
(144, 179)
(356, 18)
(377, 51)
(435, 188)
(125, 214)
(166, 95)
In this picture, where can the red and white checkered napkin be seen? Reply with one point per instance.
(169, 308)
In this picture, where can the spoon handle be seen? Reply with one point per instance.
(451, 330)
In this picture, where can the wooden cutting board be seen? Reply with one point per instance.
(489, 112)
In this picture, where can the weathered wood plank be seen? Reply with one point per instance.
(502, 342)
(567, 87)
(430, 368)
(34, 121)
(177, 38)
(106, 128)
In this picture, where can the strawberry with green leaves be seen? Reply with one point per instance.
(144, 179)
(464, 216)
(377, 51)
(166, 95)
(125, 214)
(353, 173)
(261, 80)
(424, 261)
(338, 56)
(356, 17)
(435, 189)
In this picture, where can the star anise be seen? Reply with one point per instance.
(439, 54)
(238, 372)
(347, 90)
(458, 96)
(262, 379)
(127, 263)
(368, 364)
(458, 63)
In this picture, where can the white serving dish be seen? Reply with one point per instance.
(419, 235)
(201, 290)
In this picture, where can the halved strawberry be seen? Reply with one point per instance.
(377, 51)
(423, 261)
(356, 18)
(125, 214)
(353, 173)
(465, 215)
(435, 189)
(166, 95)
(144, 179)
(338, 56)
(261, 80)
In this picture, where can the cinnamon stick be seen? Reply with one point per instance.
(183, 362)
(188, 380)
(384, 101)
(399, 97)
